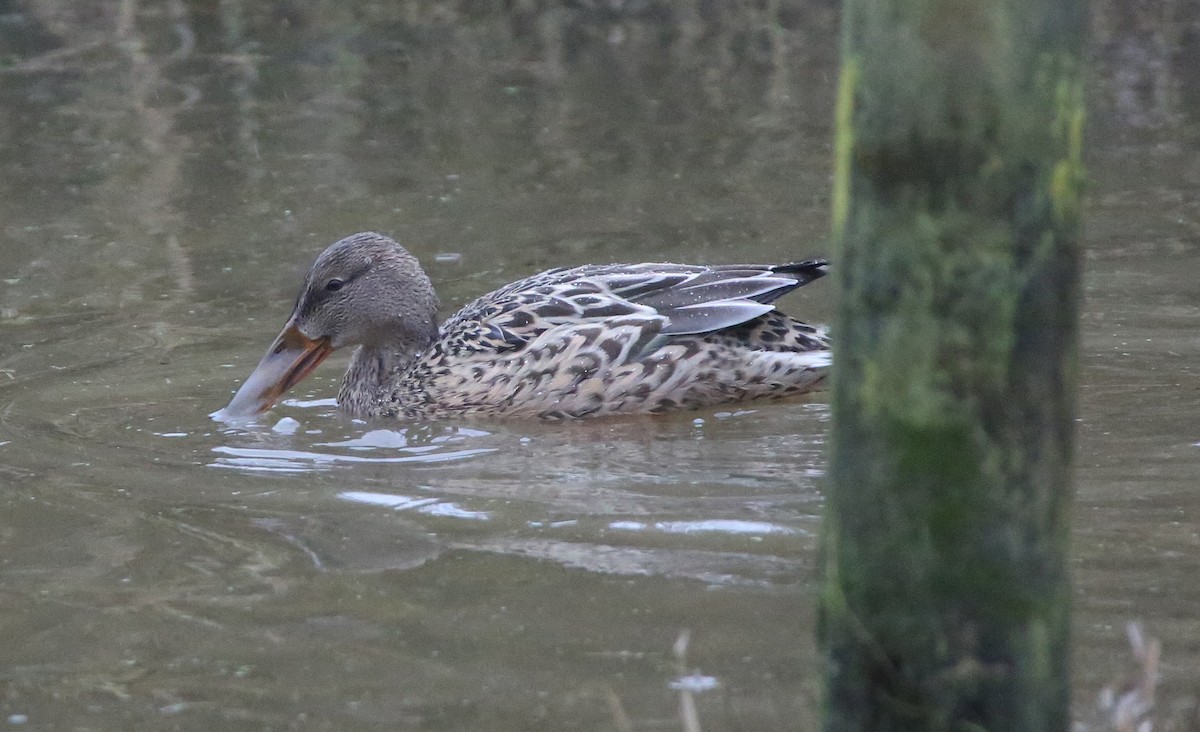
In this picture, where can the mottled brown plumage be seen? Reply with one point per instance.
(566, 343)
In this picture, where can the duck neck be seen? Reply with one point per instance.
(372, 370)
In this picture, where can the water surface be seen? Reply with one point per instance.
(167, 176)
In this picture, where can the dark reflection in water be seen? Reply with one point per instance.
(167, 170)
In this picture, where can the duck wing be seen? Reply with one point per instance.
(706, 299)
(670, 299)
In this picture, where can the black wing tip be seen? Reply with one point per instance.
(805, 271)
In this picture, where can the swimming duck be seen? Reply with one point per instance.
(567, 343)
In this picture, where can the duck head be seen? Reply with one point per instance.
(365, 290)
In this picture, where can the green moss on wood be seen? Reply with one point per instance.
(958, 177)
(844, 142)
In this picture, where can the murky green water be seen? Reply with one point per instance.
(167, 171)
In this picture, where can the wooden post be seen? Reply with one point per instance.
(956, 203)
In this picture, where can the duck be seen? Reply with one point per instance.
(567, 343)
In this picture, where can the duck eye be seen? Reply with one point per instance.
(333, 285)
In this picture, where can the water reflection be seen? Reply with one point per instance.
(429, 506)
(728, 526)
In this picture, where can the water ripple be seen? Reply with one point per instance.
(425, 445)
(253, 458)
